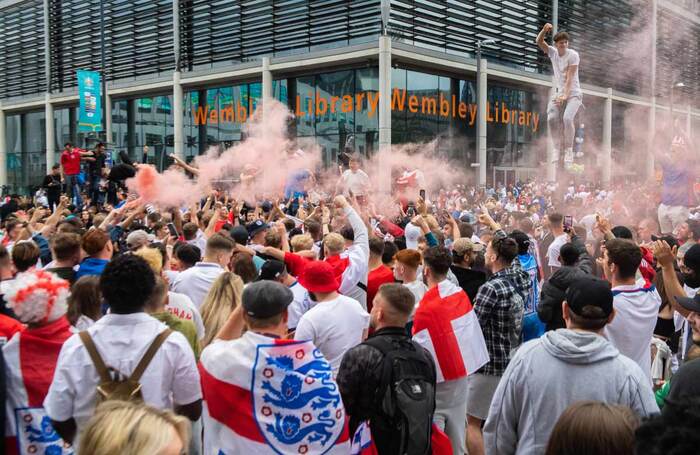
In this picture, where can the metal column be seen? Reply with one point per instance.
(651, 132)
(606, 161)
(178, 97)
(555, 17)
(3, 149)
(50, 134)
(48, 108)
(385, 109)
(266, 83)
(481, 106)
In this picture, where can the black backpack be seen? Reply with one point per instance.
(406, 396)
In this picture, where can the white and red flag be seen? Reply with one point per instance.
(30, 361)
(264, 395)
(446, 325)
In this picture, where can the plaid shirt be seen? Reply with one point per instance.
(499, 306)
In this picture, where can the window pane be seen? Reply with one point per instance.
(333, 115)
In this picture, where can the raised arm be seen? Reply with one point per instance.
(664, 256)
(541, 43)
(179, 162)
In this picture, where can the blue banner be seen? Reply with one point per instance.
(90, 112)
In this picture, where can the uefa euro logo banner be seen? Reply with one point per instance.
(90, 112)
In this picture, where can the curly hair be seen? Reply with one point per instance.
(126, 283)
(673, 432)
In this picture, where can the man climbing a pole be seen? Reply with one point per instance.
(567, 96)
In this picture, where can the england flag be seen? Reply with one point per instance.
(264, 395)
(30, 362)
(446, 325)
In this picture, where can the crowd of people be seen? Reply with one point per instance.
(532, 318)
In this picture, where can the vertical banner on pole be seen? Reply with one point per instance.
(90, 112)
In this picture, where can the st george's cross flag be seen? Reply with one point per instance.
(446, 325)
(30, 362)
(266, 395)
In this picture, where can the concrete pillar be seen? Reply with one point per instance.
(384, 110)
(651, 136)
(50, 133)
(555, 17)
(606, 158)
(481, 106)
(3, 149)
(178, 117)
(108, 118)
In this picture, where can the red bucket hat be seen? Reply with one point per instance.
(319, 276)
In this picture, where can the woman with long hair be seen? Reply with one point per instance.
(223, 297)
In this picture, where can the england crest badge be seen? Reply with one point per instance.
(35, 435)
(297, 403)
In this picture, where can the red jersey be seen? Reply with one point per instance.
(376, 278)
(70, 160)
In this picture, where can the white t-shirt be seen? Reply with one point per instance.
(560, 64)
(334, 327)
(357, 182)
(196, 281)
(181, 306)
(418, 289)
(300, 305)
(170, 379)
(636, 308)
(553, 250)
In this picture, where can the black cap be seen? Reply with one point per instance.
(256, 226)
(265, 299)
(272, 269)
(590, 291)
(240, 235)
(691, 259)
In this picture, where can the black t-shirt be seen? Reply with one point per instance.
(470, 280)
(95, 167)
(52, 184)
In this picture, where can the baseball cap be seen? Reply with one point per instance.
(590, 291)
(463, 245)
(412, 233)
(265, 299)
(691, 259)
(255, 227)
(271, 270)
(139, 237)
(690, 303)
(319, 276)
(240, 235)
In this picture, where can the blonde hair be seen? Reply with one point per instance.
(334, 243)
(153, 258)
(120, 427)
(301, 242)
(223, 297)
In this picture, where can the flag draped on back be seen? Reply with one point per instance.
(270, 396)
(30, 359)
(446, 325)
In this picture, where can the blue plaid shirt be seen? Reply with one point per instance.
(499, 306)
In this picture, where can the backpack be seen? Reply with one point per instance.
(406, 393)
(116, 388)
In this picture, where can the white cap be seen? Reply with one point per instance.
(412, 233)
